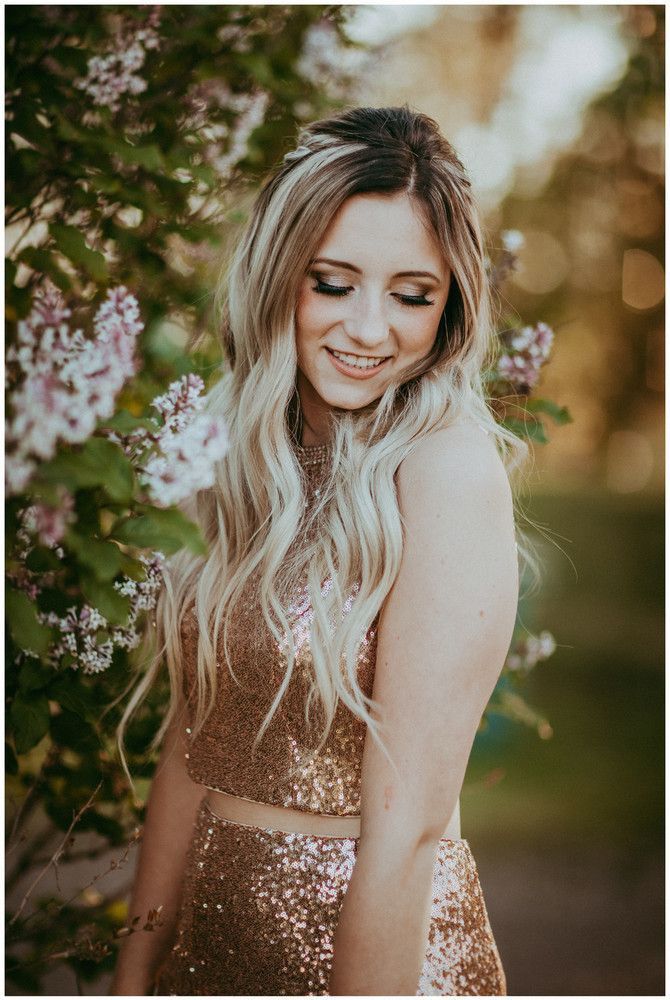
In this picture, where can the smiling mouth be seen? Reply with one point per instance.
(359, 361)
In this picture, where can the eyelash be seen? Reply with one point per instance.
(408, 300)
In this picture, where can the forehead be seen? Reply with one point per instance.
(396, 225)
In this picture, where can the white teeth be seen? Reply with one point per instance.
(355, 362)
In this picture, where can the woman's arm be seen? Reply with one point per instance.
(444, 632)
(171, 811)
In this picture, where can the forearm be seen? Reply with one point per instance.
(167, 833)
(142, 951)
(382, 932)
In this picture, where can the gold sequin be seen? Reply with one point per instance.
(260, 910)
(260, 906)
(278, 771)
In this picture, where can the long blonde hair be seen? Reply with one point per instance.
(253, 513)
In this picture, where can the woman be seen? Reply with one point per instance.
(331, 657)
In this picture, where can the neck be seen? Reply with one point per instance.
(315, 415)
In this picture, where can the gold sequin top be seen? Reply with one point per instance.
(222, 755)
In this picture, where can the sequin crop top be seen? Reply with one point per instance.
(222, 756)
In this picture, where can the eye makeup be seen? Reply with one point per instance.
(324, 288)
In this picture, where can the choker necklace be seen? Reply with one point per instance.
(313, 454)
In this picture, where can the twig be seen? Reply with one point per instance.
(114, 865)
(55, 856)
(29, 798)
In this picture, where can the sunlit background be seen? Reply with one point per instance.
(558, 114)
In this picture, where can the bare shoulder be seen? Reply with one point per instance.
(454, 464)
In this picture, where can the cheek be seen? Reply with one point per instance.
(419, 334)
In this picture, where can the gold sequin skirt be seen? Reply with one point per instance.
(260, 908)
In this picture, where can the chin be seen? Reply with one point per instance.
(351, 400)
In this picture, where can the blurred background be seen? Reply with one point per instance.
(558, 114)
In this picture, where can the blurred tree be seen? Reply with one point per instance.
(602, 207)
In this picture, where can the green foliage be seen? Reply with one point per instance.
(114, 194)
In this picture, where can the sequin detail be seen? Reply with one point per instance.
(260, 909)
(279, 771)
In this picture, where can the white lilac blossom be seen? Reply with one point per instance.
(65, 381)
(251, 109)
(178, 457)
(526, 350)
(527, 652)
(85, 636)
(115, 73)
(325, 60)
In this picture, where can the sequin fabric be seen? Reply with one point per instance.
(260, 909)
(260, 906)
(278, 770)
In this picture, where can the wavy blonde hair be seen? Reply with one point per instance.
(253, 513)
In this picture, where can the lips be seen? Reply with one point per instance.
(352, 371)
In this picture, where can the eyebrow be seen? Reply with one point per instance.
(357, 270)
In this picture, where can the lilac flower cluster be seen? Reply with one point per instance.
(47, 522)
(526, 350)
(83, 634)
(66, 382)
(512, 241)
(115, 73)
(178, 457)
(527, 652)
(85, 637)
(251, 110)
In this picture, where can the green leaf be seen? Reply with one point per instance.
(167, 530)
(560, 414)
(34, 675)
(44, 262)
(70, 694)
(69, 730)
(29, 715)
(42, 559)
(531, 429)
(19, 302)
(26, 631)
(109, 602)
(124, 422)
(149, 157)
(70, 241)
(11, 763)
(103, 558)
(99, 463)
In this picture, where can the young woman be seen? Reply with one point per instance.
(331, 657)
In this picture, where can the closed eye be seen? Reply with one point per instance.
(323, 288)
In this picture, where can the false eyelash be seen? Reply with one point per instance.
(408, 300)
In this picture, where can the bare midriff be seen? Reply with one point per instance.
(250, 813)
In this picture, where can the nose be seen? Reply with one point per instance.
(367, 324)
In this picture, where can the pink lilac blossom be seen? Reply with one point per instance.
(87, 638)
(186, 461)
(115, 73)
(527, 652)
(527, 350)
(69, 381)
(47, 522)
(512, 241)
(178, 458)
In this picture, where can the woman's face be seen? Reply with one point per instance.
(369, 305)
